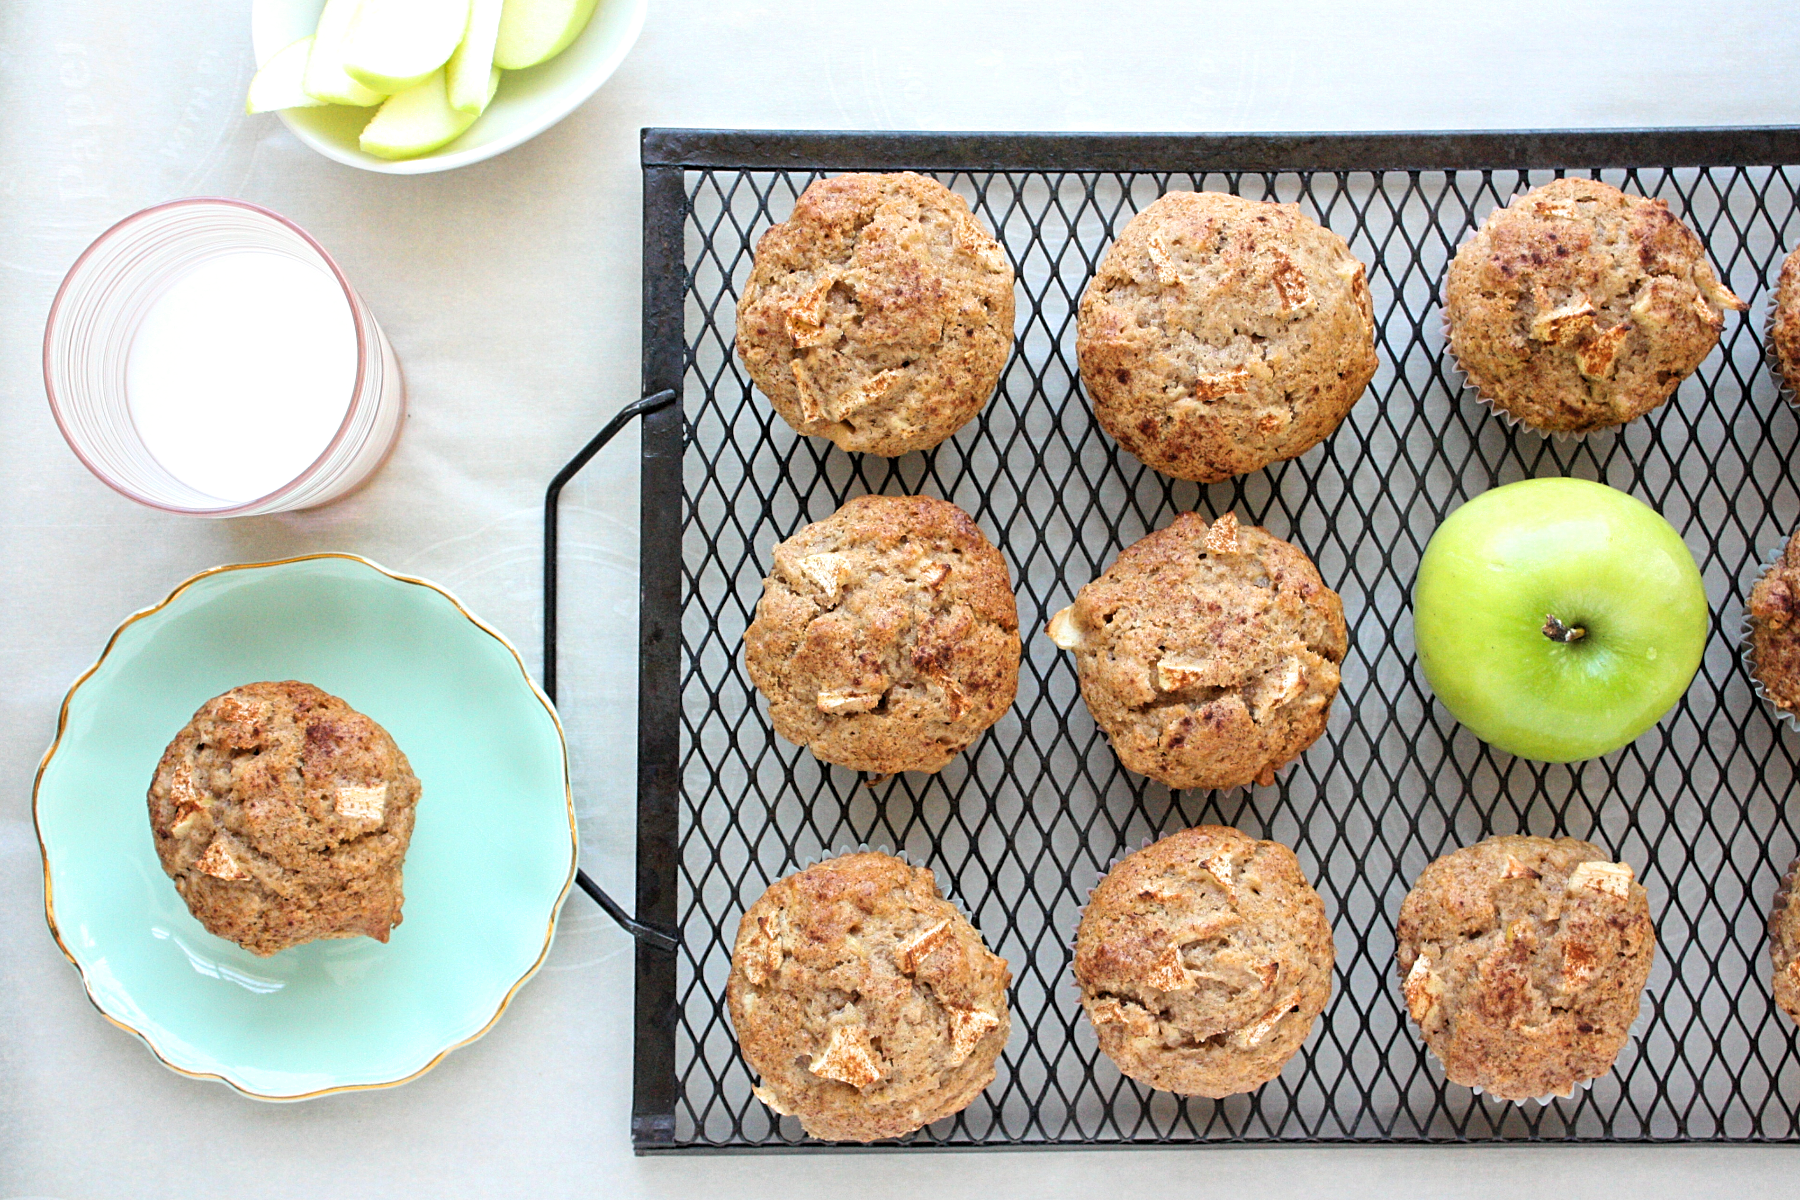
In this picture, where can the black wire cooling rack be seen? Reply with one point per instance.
(1021, 826)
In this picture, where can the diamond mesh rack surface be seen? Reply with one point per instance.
(1020, 827)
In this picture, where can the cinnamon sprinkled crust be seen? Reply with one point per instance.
(1784, 942)
(1203, 961)
(1578, 307)
(1522, 961)
(887, 638)
(1222, 334)
(867, 1003)
(283, 815)
(879, 314)
(1775, 629)
(1208, 654)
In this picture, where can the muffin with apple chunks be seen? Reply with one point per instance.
(1773, 616)
(887, 637)
(1203, 961)
(1784, 324)
(1577, 307)
(1222, 334)
(1784, 942)
(865, 1001)
(1208, 653)
(1523, 960)
(878, 315)
(283, 815)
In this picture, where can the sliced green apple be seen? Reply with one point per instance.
(466, 78)
(277, 83)
(394, 44)
(419, 120)
(325, 79)
(534, 30)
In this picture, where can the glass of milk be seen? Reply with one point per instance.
(207, 357)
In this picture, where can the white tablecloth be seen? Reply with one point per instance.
(510, 291)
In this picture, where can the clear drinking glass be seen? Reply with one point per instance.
(104, 299)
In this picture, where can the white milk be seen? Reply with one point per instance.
(241, 373)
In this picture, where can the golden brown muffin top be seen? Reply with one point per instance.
(1203, 960)
(1578, 307)
(1208, 653)
(865, 1000)
(879, 314)
(887, 637)
(283, 815)
(1522, 960)
(1222, 334)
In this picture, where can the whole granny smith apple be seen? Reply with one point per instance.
(1558, 618)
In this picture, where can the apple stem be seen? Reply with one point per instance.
(1556, 631)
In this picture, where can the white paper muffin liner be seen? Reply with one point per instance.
(1747, 647)
(1466, 389)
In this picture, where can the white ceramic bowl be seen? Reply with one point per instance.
(529, 101)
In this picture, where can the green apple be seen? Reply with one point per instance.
(419, 120)
(325, 79)
(534, 30)
(277, 83)
(1558, 618)
(395, 44)
(466, 78)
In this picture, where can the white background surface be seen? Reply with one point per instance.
(510, 291)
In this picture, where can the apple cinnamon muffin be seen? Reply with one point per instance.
(1577, 307)
(1784, 942)
(1784, 323)
(1208, 653)
(865, 1001)
(1222, 334)
(1203, 961)
(878, 315)
(887, 637)
(1522, 961)
(1773, 614)
(283, 815)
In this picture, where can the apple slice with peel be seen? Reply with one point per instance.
(466, 78)
(394, 44)
(534, 30)
(419, 120)
(325, 79)
(277, 83)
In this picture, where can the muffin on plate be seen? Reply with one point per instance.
(887, 637)
(1577, 307)
(1207, 653)
(1203, 961)
(1773, 613)
(879, 314)
(1784, 942)
(283, 815)
(865, 1001)
(1222, 334)
(1522, 961)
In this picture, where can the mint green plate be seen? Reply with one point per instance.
(492, 855)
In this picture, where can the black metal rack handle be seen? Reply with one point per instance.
(648, 934)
